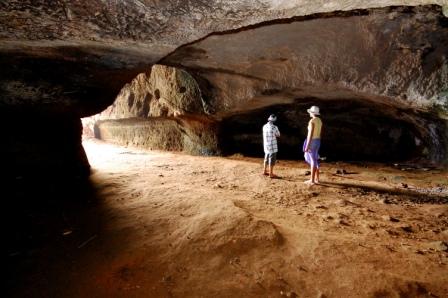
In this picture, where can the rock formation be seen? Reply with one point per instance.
(163, 110)
(382, 107)
(365, 63)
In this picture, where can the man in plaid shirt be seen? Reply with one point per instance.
(270, 135)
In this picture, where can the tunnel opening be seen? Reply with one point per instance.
(353, 131)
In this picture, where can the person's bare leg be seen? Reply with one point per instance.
(309, 180)
(311, 169)
(317, 176)
(271, 171)
(265, 167)
(313, 175)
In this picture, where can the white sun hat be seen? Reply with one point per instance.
(313, 110)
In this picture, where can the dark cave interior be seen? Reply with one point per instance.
(353, 131)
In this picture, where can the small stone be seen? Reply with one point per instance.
(67, 232)
(386, 201)
(404, 185)
(438, 246)
(343, 222)
(407, 229)
(235, 261)
(307, 173)
(390, 218)
(392, 232)
(321, 207)
(13, 254)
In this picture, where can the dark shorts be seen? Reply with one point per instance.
(270, 158)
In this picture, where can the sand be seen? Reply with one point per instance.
(172, 225)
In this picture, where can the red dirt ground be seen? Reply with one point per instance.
(171, 225)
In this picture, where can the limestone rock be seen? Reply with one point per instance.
(167, 91)
(191, 136)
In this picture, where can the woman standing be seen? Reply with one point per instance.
(312, 144)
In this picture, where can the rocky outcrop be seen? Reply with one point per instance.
(188, 135)
(161, 110)
(166, 91)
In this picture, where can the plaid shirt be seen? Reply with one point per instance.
(270, 134)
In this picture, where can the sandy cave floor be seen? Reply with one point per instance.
(172, 225)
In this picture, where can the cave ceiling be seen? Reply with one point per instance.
(76, 55)
(394, 57)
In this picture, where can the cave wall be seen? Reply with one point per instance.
(353, 131)
(41, 145)
(187, 135)
(393, 59)
(379, 75)
(69, 59)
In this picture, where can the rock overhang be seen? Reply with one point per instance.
(121, 39)
(90, 49)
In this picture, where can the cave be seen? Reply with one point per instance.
(380, 73)
(173, 96)
(387, 108)
(353, 132)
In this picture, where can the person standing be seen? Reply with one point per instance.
(270, 135)
(312, 144)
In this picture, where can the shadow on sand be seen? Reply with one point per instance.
(48, 221)
(407, 194)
